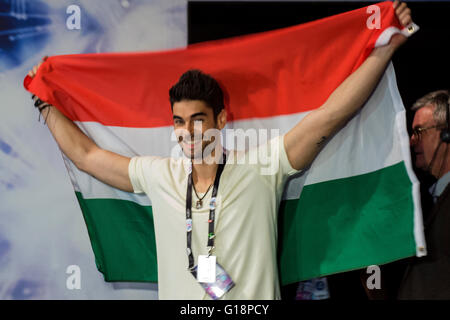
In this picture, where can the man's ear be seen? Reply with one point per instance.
(222, 119)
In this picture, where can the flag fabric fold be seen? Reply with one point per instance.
(358, 203)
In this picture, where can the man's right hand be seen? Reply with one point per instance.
(32, 74)
(34, 70)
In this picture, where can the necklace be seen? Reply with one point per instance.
(199, 203)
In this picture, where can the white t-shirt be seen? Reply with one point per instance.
(246, 221)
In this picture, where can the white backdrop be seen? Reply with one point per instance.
(42, 230)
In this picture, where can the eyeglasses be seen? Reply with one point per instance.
(417, 132)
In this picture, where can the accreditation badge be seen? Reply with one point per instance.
(206, 271)
(222, 284)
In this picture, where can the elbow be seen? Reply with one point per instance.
(83, 160)
(81, 164)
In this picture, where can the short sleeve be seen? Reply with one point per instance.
(285, 166)
(272, 158)
(139, 171)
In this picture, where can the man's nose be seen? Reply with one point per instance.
(196, 127)
(413, 140)
(191, 128)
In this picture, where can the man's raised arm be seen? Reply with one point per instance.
(305, 140)
(107, 166)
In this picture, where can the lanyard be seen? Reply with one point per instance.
(212, 212)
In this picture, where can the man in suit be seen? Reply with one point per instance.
(429, 277)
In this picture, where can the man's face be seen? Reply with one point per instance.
(191, 119)
(424, 145)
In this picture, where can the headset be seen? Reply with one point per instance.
(445, 133)
(444, 138)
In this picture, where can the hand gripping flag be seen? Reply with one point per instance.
(357, 205)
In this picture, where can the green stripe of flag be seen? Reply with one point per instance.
(372, 225)
(122, 237)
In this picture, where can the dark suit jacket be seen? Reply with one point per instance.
(429, 277)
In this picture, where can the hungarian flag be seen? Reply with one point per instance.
(357, 204)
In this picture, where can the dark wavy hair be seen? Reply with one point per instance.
(196, 85)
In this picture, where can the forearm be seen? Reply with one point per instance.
(306, 139)
(350, 96)
(108, 167)
(71, 140)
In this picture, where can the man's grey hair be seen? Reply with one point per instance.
(440, 99)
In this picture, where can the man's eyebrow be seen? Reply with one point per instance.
(198, 114)
(423, 125)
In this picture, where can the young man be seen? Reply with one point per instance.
(428, 277)
(243, 237)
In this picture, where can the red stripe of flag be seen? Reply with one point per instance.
(273, 73)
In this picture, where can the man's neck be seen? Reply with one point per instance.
(204, 172)
(440, 169)
(203, 175)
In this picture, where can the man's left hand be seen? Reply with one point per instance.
(403, 14)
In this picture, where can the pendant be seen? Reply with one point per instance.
(198, 204)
